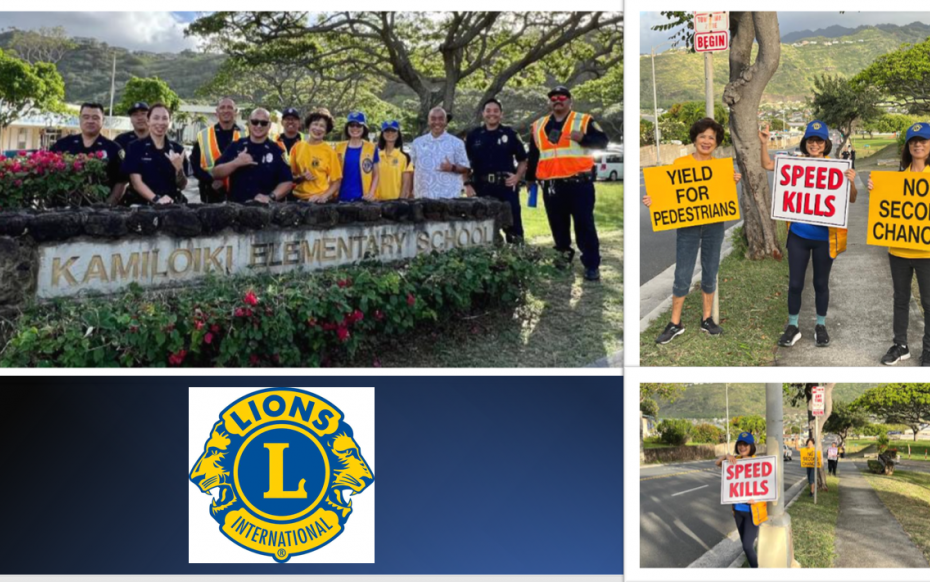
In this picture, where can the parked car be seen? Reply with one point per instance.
(609, 167)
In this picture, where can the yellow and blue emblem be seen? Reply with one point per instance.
(280, 465)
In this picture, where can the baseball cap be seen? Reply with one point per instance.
(290, 112)
(138, 106)
(560, 90)
(393, 124)
(817, 128)
(746, 437)
(921, 130)
(357, 117)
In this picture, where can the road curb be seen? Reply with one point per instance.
(664, 280)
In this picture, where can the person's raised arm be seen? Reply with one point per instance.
(764, 135)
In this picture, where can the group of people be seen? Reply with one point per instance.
(242, 165)
(806, 243)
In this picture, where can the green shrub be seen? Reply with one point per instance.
(674, 431)
(706, 433)
(883, 441)
(46, 179)
(286, 320)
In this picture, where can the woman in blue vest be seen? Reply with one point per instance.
(808, 242)
(359, 159)
(748, 516)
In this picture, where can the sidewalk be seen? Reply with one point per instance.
(867, 535)
(861, 311)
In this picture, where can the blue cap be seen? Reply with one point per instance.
(817, 128)
(746, 437)
(138, 106)
(290, 112)
(921, 130)
(393, 124)
(357, 117)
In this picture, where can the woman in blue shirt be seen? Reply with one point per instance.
(359, 159)
(746, 522)
(808, 242)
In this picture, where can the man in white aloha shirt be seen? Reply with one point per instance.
(439, 160)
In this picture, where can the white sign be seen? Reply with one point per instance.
(711, 22)
(101, 266)
(811, 191)
(817, 400)
(749, 480)
(711, 41)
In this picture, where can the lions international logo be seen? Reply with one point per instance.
(280, 465)
(816, 126)
(917, 127)
(367, 165)
(315, 163)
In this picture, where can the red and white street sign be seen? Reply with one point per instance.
(749, 480)
(817, 400)
(711, 41)
(811, 191)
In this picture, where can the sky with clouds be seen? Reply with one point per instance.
(787, 22)
(148, 31)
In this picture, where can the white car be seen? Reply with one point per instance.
(609, 167)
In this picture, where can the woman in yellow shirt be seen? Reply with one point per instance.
(395, 167)
(905, 263)
(314, 163)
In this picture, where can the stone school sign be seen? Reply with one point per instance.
(103, 250)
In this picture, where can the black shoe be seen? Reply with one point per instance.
(821, 337)
(710, 327)
(790, 337)
(592, 275)
(671, 330)
(895, 354)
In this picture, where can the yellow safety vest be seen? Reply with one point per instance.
(280, 142)
(565, 158)
(209, 147)
(366, 162)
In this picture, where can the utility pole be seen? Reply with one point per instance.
(655, 102)
(113, 83)
(727, 390)
(776, 545)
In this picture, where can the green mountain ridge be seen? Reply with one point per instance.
(86, 69)
(680, 74)
(709, 400)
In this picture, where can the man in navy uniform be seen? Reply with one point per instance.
(89, 142)
(290, 118)
(561, 159)
(255, 165)
(498, 163)
(210, 145)
(139, 117)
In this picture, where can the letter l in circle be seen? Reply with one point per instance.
(276, 475)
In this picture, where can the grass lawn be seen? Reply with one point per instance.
(753, 312)
(907, 495)
(918, 449)
(814, 526)
(566, 322)
(868, 147)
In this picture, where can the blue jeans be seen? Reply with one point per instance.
(709, 239)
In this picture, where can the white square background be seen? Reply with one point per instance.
(208, 545)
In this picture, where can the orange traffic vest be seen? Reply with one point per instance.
(837, 237)
(209, 148)
(760, 511)
(366, 161)
(565, 158)
(280, 142)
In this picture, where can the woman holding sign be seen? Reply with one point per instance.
(749, 516)
(706, 135)
(905, 263)
(810, 241)
(812, 471)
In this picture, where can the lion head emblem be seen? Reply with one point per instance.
(281, 466)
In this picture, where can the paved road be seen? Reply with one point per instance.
(680, 513)
(657, 249)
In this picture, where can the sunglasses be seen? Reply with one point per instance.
(259, 122)
(558, 98)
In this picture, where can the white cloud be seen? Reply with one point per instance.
(149, 31)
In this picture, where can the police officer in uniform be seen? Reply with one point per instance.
(292, 134)
(255, 165)
(156, 165)
(89, 142)
(139, 116)
(560, 159)
(498, 164)
(210, 145)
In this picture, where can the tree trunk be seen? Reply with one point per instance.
(742, 95)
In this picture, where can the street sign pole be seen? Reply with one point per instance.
(776, 545)
(709, 111)
(655, 104)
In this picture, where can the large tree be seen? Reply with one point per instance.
(742, 95)
(840, 104)
(654, 391)
(151, 90)
(901, 403)
(45, 45)
(433, 54)
(843, 419)
(902, 76)
(26, 88)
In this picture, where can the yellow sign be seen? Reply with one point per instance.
(899, 210)
(807, 458)
(691, 194)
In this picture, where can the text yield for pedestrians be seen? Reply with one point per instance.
(748, 480)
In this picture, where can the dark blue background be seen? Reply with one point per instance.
(476, 475)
